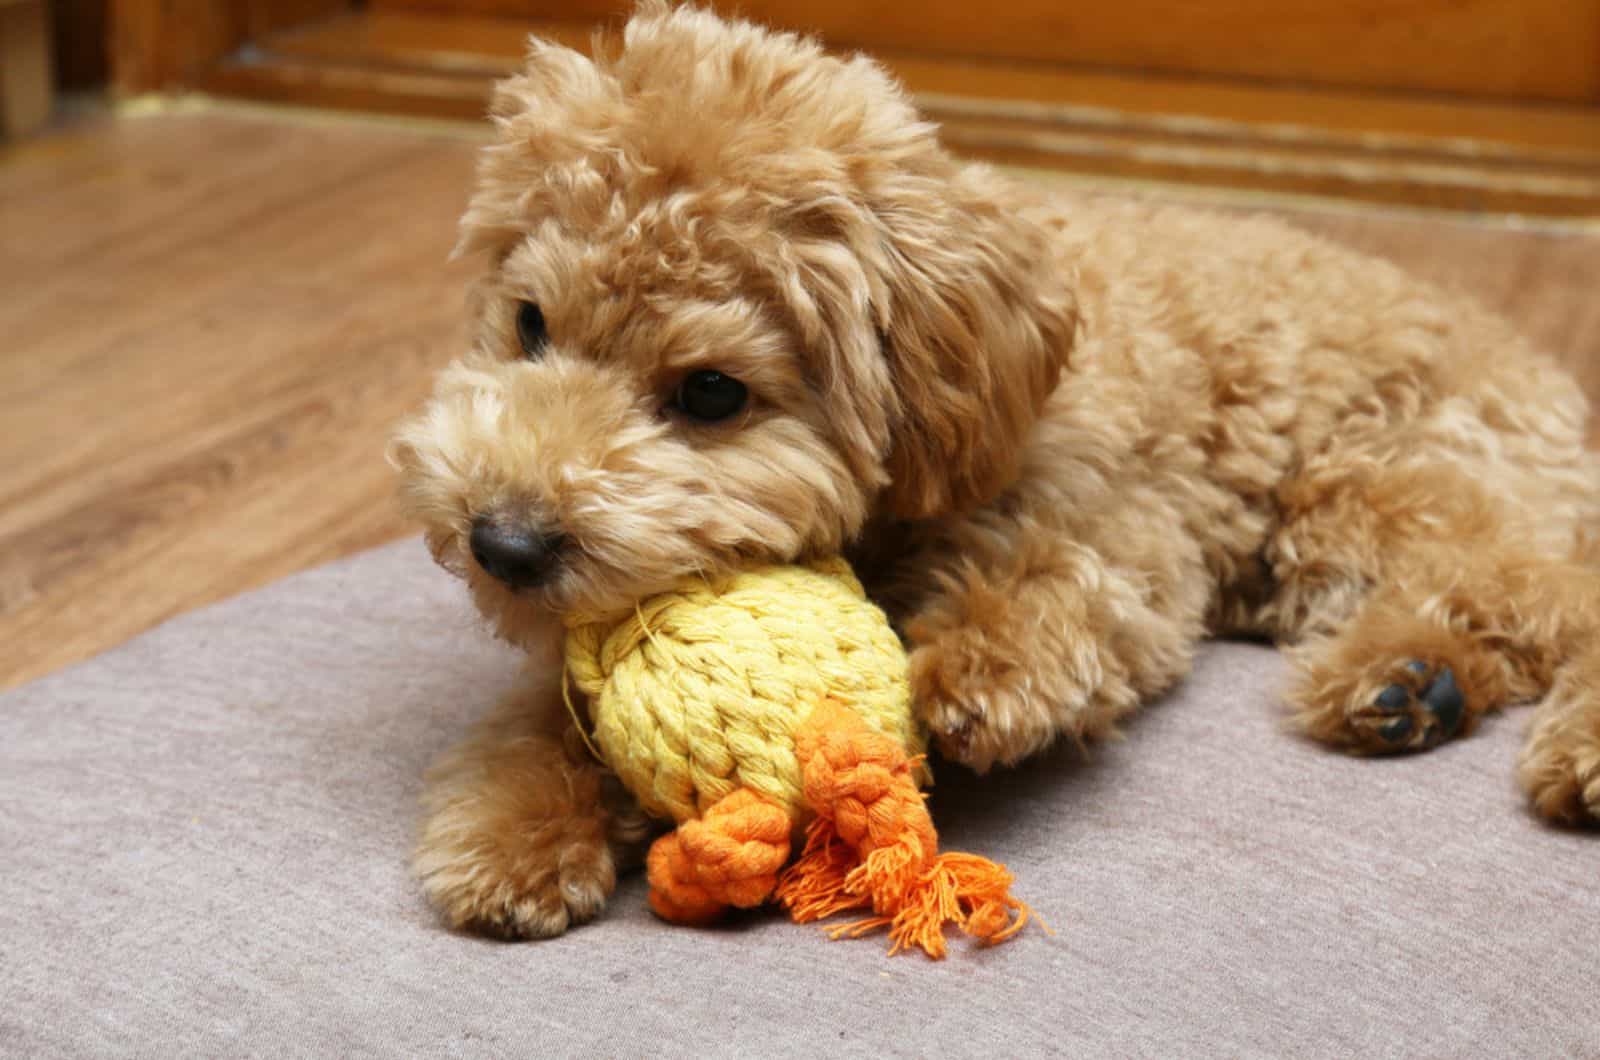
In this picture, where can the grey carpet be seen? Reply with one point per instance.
(204, 839)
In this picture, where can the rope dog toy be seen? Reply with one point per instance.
(764, 706)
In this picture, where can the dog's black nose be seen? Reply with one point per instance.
(518, 556)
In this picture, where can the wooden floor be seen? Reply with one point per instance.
(209, 320)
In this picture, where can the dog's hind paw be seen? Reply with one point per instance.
(1409, 706)
(1560, 765)
(1414, 717)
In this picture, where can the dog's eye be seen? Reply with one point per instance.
(530, 329)
(710, 396)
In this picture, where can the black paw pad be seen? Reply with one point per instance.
(1397, 729)
(1415, 719)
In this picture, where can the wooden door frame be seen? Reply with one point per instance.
(1430, 150)
(159, 45)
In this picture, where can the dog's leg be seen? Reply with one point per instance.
(521, 836)
(1029, 630)
(1420, 603)
(1455, 637)
(1411, 604)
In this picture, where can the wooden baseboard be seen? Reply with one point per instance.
(1431, 151)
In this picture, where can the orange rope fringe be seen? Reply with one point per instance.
(871, 846)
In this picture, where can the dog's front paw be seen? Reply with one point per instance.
(979, 711)
(533, 880)
(1560, 766)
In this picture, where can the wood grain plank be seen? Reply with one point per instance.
(213, 320)
(199, 403)
(1533, 49)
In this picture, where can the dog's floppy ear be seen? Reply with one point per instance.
(554, 123)
(940, 307)
(976, 322)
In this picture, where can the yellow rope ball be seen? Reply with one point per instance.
(700, 690)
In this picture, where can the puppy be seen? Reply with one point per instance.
(738, 305)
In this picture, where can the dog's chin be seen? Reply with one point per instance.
(524, 618)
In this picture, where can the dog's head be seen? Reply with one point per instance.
(737, 301)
